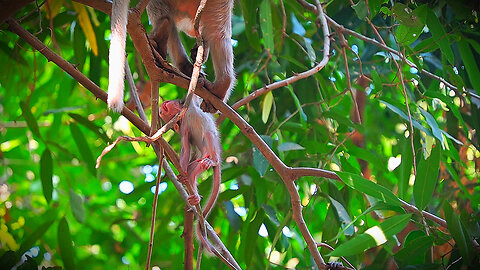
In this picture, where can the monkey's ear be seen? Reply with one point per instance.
(176, 127)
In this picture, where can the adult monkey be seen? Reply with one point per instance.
(167, 18)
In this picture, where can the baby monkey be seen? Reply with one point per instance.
(200, 150)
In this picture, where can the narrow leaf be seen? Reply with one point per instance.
(372, 237)
(470, 64)
(267, 106)
(86, 25)
(439, 35)
(252, 235)
(459, 233)
(260, 163)
(30, 239)
(46, 173)
(290, 146)
(414, 249)
(66, 245)
(368, 187)
(303, 116)
(76, 204)
(343, 215)
(249, 11)
(83, 148)
(266, 25)
(30, 119)
(92, 126)
(426, 178)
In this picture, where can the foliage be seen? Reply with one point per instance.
(57, 209)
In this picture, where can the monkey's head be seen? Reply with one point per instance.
(169, 109)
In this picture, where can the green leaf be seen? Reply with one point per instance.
(303, 116)
(266, 25)
(374, 236)
(377, 82)
(252, 235)
(426, 178)
(92, 126)
(76, 204)
(470, 64)
(437, 132)
(46, 173)
(267, 106)
(374, 6)
(405, 170)
(249, 11)
(439, 35)
(377, 206)
(260, 163)
(79, 47)
(290, 146)
(30, 119)
(368, 187)
(65, 245)
(400, 113)
(414, 251)
(30, 239)
(344, 217)
(459, 233)
(83, 148)
(360, 9)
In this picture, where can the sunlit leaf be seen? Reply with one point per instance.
(267, 106)
(368, 187)
(374, 236)
(86, 25)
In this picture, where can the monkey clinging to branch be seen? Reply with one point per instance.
(167, 18)
(197, 129)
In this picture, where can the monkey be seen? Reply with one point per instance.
(168, 17)
(200, 150)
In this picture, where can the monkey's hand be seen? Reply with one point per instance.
(194, 199)
(182, 179)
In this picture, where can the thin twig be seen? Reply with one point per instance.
(154, 211)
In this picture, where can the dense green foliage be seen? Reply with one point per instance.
(52, 129)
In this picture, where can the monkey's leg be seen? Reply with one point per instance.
(222, 57)
(159, 36)
(177, 52)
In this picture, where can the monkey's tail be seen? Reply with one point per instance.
(116, 64)
(202, 235)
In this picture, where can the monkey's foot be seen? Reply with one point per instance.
(206, 163)
(182, 179)
(193, 200)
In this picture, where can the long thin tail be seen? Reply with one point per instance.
(208, 207)
(116, 69)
